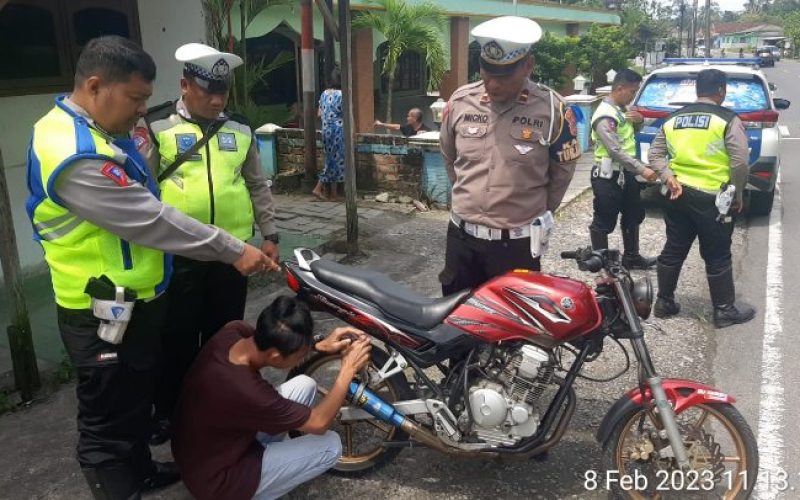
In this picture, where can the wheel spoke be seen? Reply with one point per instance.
(732, 459)
(701, 420)
(378, 426)
(348, 439)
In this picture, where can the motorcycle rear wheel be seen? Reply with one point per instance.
(721, 447)
(362, 441)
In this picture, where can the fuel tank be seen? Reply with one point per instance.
(528, 305)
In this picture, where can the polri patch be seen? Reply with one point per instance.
(227, 141)
(185, 143)
(140, 137)
(115, 173)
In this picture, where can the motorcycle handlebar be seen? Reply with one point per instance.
(586, 258)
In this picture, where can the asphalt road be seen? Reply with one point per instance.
(757, 362)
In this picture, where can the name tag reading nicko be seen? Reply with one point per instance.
(523, 148)
(227, 141)
(185, 143)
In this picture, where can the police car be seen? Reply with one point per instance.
(748, 93)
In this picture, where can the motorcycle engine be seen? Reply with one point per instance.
(503, 403)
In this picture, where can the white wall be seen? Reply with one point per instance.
(17, 116)
(165, 25)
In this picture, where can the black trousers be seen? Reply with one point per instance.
(694, 215)
(115, 386)
(203, 297)
(610, 201)
(470, 262)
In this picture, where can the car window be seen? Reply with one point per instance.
(667, 93)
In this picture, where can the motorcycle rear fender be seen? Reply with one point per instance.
(682, 394)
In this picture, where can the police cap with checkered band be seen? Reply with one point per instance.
(207, 67)
(505, 42)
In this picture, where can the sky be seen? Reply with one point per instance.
(730, 4)
(735, 5)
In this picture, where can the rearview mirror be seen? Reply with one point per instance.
(772, 86)
(781, 103)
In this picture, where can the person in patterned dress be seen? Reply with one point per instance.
(330, 110)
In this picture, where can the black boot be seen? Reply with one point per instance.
(631, 258)
(599, 239)
(114, 483)
(667, 282)
(160, 475)
(723, 296)
(162, 430)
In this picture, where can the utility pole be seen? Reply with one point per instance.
(329, 53)
(682, 9)
(694, 30)
(345, 51)
(708, 28)
(309, 87)
(20, 339)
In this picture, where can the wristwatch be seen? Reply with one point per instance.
(274, 237)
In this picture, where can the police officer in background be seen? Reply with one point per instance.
(208, 167)
(708, 154)
(614, 183)
(510, 148)
(96, 212)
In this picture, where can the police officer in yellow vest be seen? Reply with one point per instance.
(208, 167)
(701, 153)
(615, 169)
(96, 212)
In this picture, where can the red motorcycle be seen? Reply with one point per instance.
(481, 374)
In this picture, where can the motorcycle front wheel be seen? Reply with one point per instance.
(722, 451)
(363, 441)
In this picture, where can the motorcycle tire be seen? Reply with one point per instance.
(357, 466)
(726, 415)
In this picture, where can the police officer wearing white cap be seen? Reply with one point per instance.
(510, 148)
(97, 214)
(207, 164)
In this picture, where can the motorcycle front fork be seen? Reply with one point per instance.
(665, 411)
(667, 415)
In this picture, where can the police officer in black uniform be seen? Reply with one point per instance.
(706, 174)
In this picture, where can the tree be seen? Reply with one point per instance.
(791, 28)
(417, 27)
(603, 48)
(550, 53)
(250, 73)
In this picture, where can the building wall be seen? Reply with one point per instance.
(164, 26)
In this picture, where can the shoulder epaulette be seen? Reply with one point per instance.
(466, 90)
(159, 111)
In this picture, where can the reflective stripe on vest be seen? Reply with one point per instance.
(209, 186)
(76, 249)
(696, 142)
(625, 131)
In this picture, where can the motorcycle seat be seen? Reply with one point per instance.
(391, 297)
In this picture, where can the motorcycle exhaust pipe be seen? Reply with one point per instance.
(360, 396)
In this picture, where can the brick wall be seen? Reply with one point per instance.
(291, 150)
(383, 162)
(387, 163)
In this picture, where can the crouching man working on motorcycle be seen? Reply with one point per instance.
(230, 441)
